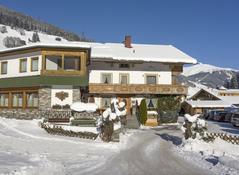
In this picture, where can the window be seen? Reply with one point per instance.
(34, 64)
(106, 78)
(124, 78)
(17, 100)
(105, 102)
(151, 79)
(23, 65)
(32, 99)
(72, 63)
(4, 67)
(53, 62)
(123, 65)
(4, 99)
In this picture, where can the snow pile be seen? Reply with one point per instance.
(198, 68)
(80, 107)
(217, 148)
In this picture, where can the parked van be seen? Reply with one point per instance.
(235, 119)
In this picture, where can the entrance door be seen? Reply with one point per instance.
(128, 103)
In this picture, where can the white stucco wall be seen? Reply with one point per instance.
(55, 89)
(13, 65)
(137, 72)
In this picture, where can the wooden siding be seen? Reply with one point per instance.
(136, 89)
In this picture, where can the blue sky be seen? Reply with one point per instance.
(205, 29)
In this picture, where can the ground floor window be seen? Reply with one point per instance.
(105, 102)
(32, 99)
(19, 99)
(4, 100)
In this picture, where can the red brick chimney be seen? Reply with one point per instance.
(127, 41)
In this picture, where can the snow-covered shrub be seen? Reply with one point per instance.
(10, 42)
(194, 127)
(113, 114)
(3, 29)
(143, 112)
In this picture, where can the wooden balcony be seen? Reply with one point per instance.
(97, 88)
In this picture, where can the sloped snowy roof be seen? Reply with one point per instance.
(140, 52)
(117, 51)
(208, 103)
(37, 45)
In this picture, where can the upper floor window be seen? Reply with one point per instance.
(53, 62)
(124, 79)
(4, 67)
(123, 65)
(34, 64)
(151, 79)
(72, 63)
(106, 78)
(23, 65)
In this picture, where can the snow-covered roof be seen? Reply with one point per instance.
(140, 52)
(117, 51)
(208, 103)
(50, 45)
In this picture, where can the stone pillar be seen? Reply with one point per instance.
(44, 98)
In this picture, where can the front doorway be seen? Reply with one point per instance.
(128, 104)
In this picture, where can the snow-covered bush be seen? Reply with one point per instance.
(35, 37)
(105, 124)
(194, 127)
(10, 42)
(21, 31)
(3, 29)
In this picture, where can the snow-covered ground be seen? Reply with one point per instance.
(26, 149)
(219, 156)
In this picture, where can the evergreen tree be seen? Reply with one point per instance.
(143, 112)
(234, 83)
(35, 37)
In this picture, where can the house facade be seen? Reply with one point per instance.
(43, 76)
(40, 77)
(131, 72)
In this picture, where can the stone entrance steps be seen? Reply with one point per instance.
(132, 122)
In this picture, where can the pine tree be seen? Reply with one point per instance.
(35, 37)
(143, 112)
(234, 83)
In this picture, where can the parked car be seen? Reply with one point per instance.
(228, 117)
(235, 119)
(220, 116)
(212, 113)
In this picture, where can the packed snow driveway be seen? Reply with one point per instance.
(27, 149)
(150, 152)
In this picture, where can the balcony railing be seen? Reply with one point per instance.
(98, 88)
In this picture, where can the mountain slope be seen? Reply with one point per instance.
(18, 20)
(208, 75)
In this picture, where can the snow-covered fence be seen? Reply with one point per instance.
(58, 130)
(229, 138)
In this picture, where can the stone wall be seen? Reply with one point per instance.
(26, 114)
(44, 98)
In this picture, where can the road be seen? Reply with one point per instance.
(151, 153)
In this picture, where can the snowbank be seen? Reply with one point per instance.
(80, 107)
(217, 148)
